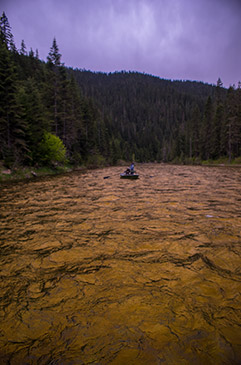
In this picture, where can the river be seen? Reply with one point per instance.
(99, 270)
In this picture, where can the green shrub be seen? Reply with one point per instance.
(52, 150)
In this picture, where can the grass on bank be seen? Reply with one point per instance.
(25, 173)
(95, 161)
(18, 173)
(222, 161)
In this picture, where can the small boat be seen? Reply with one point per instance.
(126, 175)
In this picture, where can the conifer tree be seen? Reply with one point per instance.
(5, 32)
(12, 119)
(206, 130)
(36, 122)
(7, 100)
(23, 49)
(54, 56)
(54, 64)
(218, 90)
(31, 53)
(233, 123)
(74, 127)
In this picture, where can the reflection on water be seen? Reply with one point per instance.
(99, 271)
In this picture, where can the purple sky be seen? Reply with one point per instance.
(174, 39)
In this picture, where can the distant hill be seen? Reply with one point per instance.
(104, 80)
(157, 119)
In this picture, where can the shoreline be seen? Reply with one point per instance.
(28, 174)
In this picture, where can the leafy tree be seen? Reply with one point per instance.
(52, 149)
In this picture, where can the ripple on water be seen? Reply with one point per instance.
(97, 270)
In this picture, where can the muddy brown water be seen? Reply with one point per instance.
(98, 270)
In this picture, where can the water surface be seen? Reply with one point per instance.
(98, 270)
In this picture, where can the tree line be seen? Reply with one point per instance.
(161, 120)
(44, 118)
(51, 114)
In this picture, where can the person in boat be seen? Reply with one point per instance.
(132, 168)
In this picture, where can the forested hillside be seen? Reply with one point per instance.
(163, 120)
(50, 114)
(44, 118)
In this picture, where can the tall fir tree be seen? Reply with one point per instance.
(23, 50)
(36, 121)
(206, 130)
(53, 84)
(54, 57)
(233, 123)
(6, 33)
(7, 100)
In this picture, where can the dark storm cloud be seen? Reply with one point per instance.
(175, 39)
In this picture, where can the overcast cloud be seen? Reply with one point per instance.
(173, 39)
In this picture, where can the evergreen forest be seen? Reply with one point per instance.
(52, 115)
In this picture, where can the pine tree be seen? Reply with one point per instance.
(23, 49)
(53, 84)
(5, 33)
(74, 128)
(12, 121)
(217, 132)
(218, 90)
(233, 123)
(36, 123)
(238, 122)
(54, 56)
(7, 100)
(31, 53)
(206, 130)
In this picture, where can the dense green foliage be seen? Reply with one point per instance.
(40, 99)
(49, 113)
(163, 120)
(52, 149)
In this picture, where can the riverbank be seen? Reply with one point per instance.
(26, 173)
